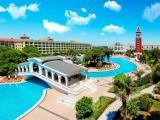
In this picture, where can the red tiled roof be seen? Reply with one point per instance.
(11, 39)
(8, 39)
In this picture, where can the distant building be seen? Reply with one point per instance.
(150, 47)
(121, 48)
(45, 46)
(24, 37)
(9, 42)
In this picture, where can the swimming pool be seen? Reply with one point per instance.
(125, 66)
(16, 99)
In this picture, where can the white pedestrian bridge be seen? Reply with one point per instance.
(57, 73)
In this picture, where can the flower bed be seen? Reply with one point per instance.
(11, 80)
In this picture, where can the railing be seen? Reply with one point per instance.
(51, 82)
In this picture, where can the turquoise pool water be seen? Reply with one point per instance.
(16, 99)
(125, 66)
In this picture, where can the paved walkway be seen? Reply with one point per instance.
(109, 113)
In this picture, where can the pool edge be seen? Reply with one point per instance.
(34, 106)
(128, 59)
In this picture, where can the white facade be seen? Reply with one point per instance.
(118, 47)
(150, 47)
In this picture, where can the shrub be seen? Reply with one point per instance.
(145, 102)
(76, 60)
(133, 84)
(112, 90)
(156, 89)
(139, 105)
(99, 64)
(133, 107)
(144, 80)
(84, 107)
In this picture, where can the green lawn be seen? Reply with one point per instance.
(111, 90)
(156, 105)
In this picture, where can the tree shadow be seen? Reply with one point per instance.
(111, 115)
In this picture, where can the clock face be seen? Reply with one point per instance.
(138, 34)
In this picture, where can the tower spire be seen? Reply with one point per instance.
(138, 29)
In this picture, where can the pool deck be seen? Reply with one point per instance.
(51, 109)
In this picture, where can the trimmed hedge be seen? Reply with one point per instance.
(100, 106)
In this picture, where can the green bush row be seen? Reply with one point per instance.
(100, 106)
(87, 110)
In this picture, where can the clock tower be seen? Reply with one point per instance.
(138, 47)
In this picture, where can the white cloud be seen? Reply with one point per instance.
(152, 13)
(113, 5)
(84, 10)
(2, 9)
(74, 18)
(17, 12)
(33, 7)
(113, 29)
(102, 34)
(53, 27)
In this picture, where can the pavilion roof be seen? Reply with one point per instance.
(67, 68)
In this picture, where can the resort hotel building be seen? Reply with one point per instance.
(45, 46)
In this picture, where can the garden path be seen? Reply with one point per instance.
(109, 113)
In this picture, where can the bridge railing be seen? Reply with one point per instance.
(55, 84)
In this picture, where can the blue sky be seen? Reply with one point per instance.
(99, 22)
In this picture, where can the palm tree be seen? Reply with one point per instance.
(130, 53)
(108, 52)
(122, 86)
(108, 56)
